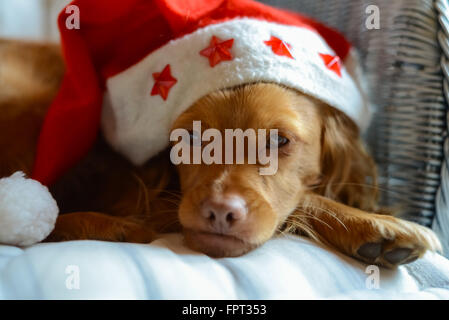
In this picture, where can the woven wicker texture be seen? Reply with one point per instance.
(441, 221)
(402, 60)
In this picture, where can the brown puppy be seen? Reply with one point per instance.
(324, 187)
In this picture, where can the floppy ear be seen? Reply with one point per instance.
(348, 173)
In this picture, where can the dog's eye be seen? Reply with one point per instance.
(276, 141)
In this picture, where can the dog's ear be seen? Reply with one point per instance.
(348, 173)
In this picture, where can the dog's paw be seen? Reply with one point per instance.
(391, 242)
(98, 226)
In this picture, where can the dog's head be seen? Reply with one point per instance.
(228, 209)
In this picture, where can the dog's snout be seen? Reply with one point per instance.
(224, 212)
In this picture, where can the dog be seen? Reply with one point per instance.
(325, 186)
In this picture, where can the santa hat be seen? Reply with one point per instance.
(134, 66)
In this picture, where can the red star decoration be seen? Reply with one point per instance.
(218, 51)
(163, 82)
(332, 63)
(279, 47)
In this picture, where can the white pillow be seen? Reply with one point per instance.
(284, 268)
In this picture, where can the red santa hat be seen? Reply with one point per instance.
(135, 65)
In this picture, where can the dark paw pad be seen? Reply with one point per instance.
(370, 250)
(410, 259)
(397, 256)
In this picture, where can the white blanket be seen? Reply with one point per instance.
(284, 268)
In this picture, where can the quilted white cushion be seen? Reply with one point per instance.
(284, 268)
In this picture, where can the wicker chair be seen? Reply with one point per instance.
(407, 64)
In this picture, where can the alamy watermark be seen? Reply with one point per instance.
(72, 281)
(73, 20)
(373, 19)
(373, 279)
(196, 147)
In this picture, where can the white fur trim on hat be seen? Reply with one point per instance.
(137, 124)
(28, 212)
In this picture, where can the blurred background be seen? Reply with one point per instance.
(30, 19)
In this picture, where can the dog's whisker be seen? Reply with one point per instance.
(172, 201)
(372, 186)
(293, 226)
(142, 188)
(310, 216)
(172, 193)
(332, 214)
(167, 211)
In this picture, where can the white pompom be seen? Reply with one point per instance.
(28, 211)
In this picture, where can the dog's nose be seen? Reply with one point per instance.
(224, 212)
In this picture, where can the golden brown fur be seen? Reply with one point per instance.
(325, 186)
